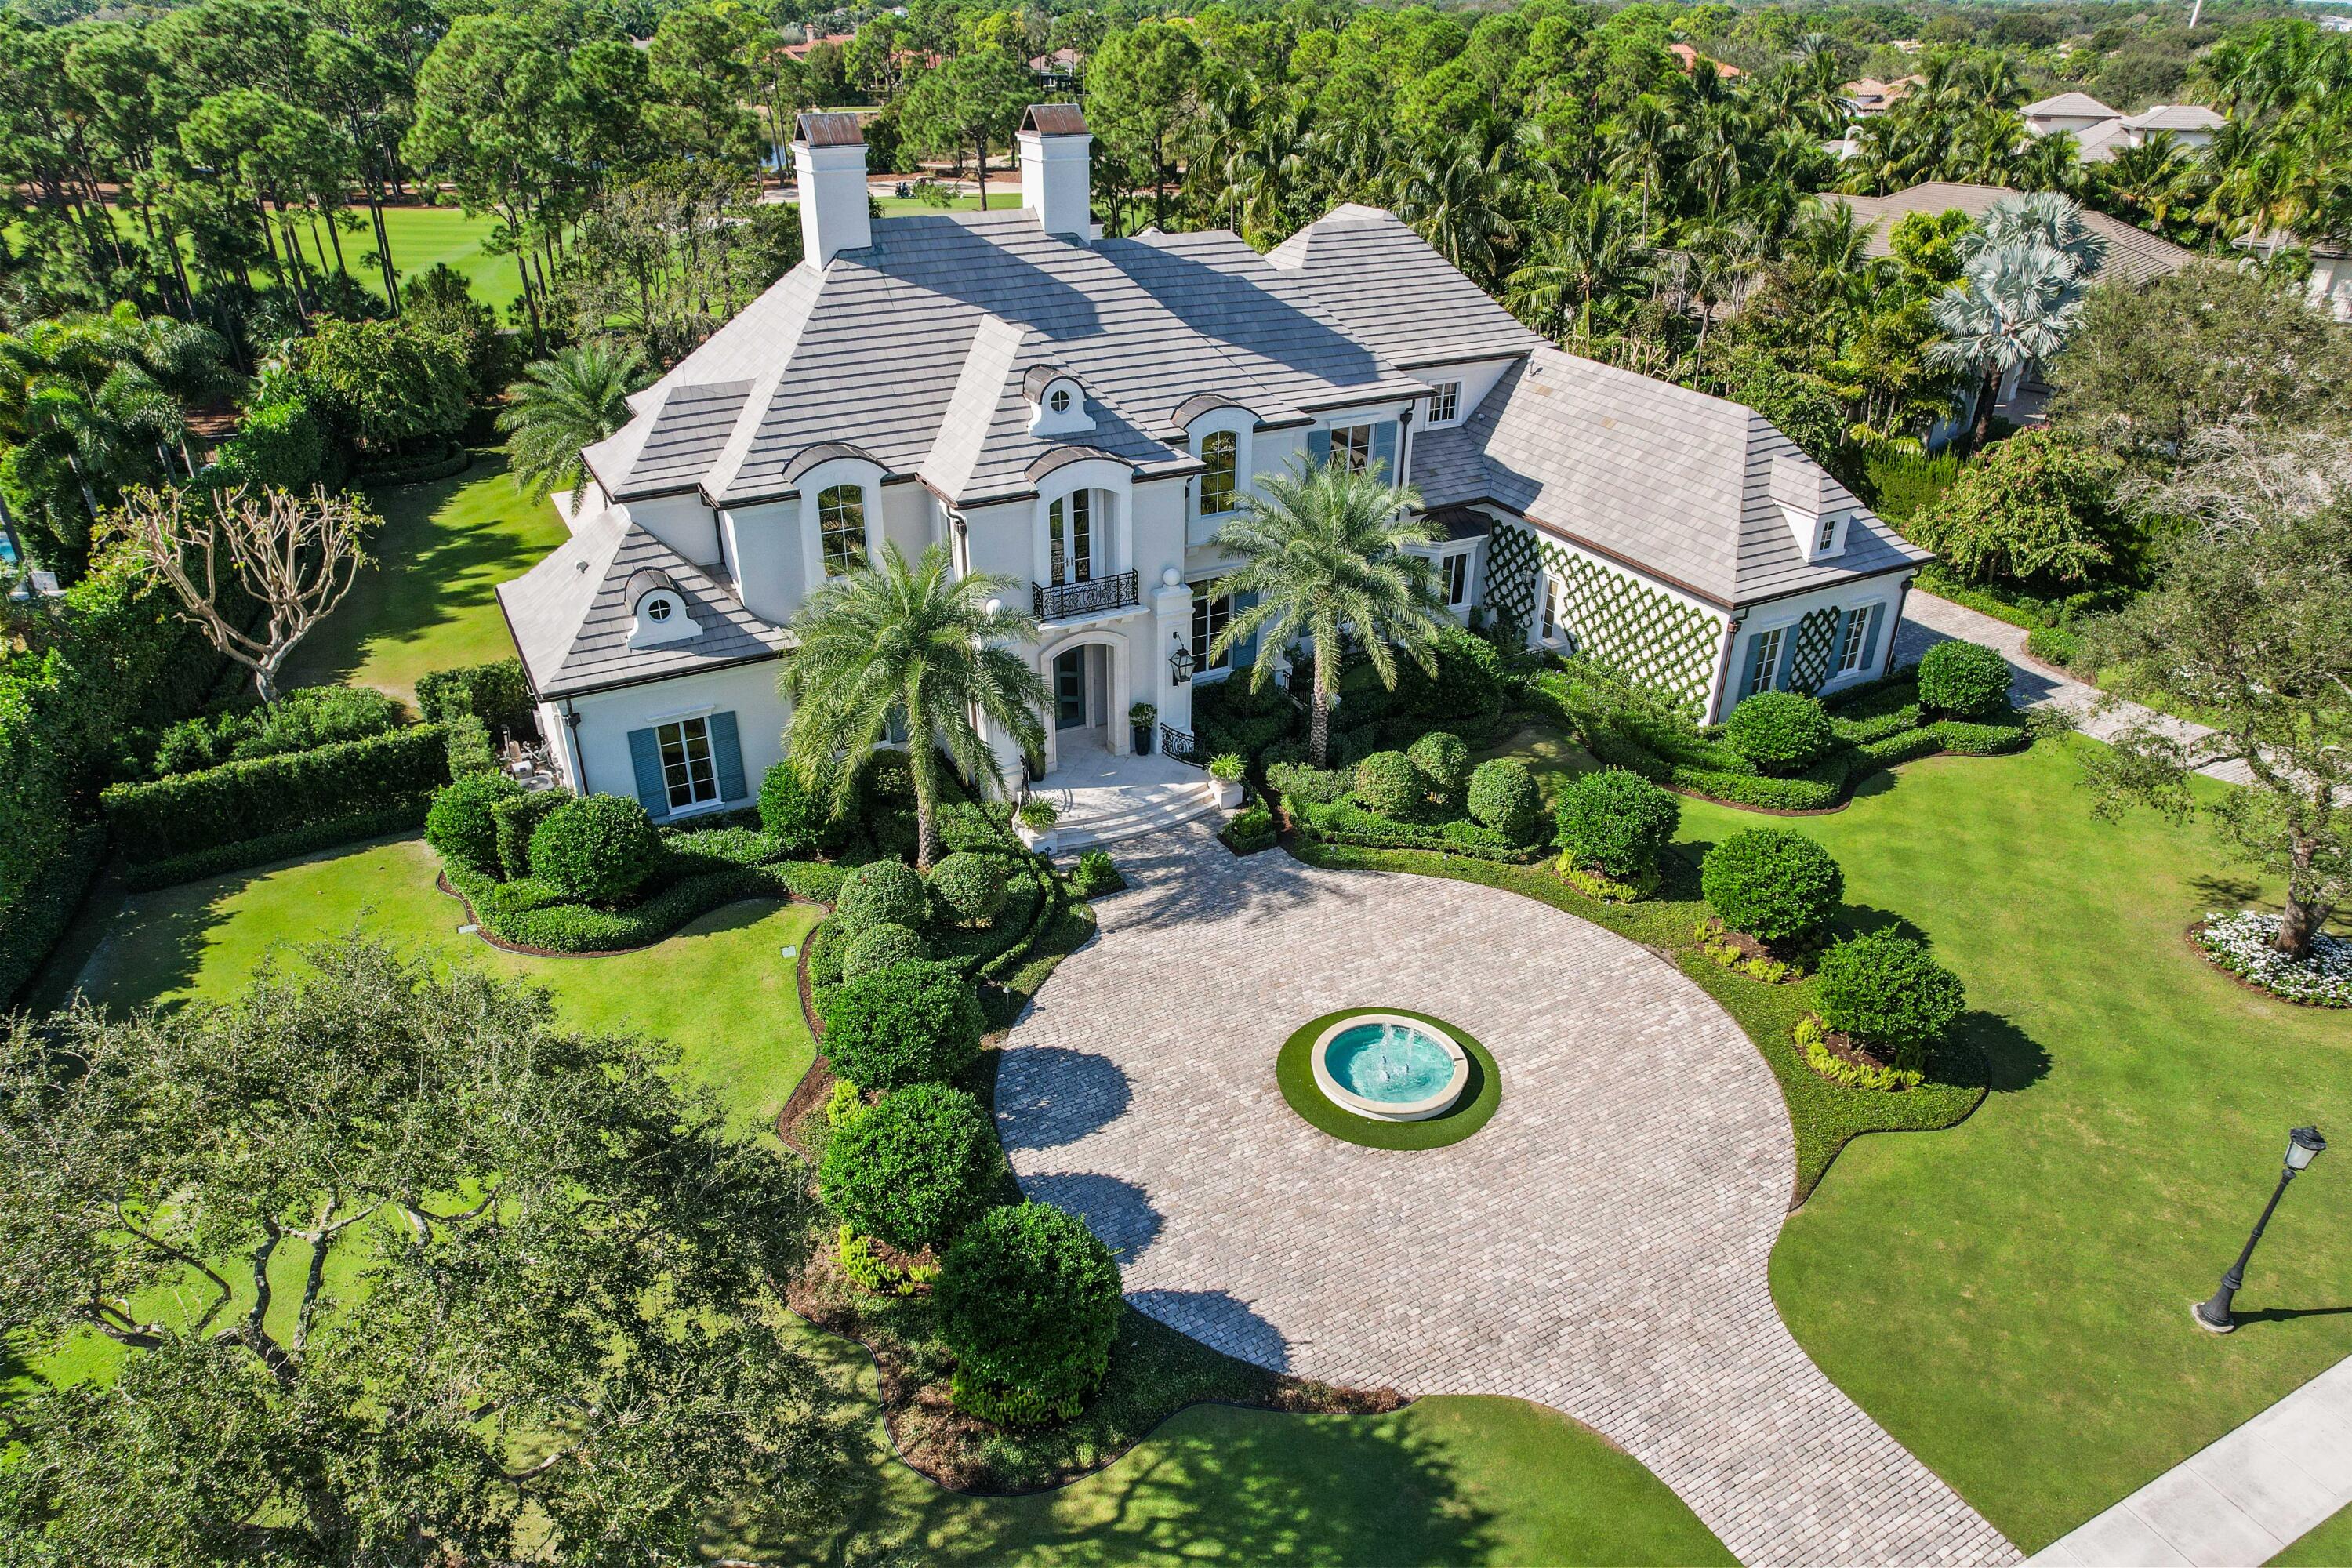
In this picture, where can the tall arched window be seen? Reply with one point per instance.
(841, 519)
(1070, 534)
(1221, 458)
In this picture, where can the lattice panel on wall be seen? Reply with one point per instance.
(1617, 619)
(1808, 658)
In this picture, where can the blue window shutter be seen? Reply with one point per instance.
(644, 757)
(1318, 448)
(1870, 638)
(726, 756)
(1384, 451)
(1244, 651)
(1752, 678)
(1779, 681)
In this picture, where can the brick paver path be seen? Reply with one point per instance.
(1600, 1246)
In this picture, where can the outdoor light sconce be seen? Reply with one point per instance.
(1179, 663)
(2303, 1146)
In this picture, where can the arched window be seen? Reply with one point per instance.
(1221, 454)
(841, 518)
(1070, 533)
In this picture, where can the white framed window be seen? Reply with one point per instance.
(1445, 402)
(1060, 401)
(1351, 445)
(1763, 661)
(689, 772)
(1209, 617)
(1829, 535)
(1553, 623)
(1221, 471)
(841, 519)
(1070, 538)
(1857, 626)
(1454, 576)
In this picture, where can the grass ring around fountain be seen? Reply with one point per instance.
(1293, 1071)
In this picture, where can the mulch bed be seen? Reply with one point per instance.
(1851, 1052)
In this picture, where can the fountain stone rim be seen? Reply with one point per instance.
(1421, 1109)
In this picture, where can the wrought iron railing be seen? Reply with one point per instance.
(1178, 744)
(1090, 598)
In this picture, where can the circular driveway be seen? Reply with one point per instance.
(1600, 1246)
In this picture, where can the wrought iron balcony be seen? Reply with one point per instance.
(1090, 598)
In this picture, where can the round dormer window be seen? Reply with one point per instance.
(657, 609)
(1060, 401)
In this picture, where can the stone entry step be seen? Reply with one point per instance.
(1105, 816)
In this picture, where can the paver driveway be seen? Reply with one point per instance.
(1598, 1247)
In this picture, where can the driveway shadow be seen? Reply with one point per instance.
(1118, 1212)
(1219, 1319)
(1187, 878)
(1047, 1095)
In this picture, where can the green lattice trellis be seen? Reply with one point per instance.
(1616, 618)
(1809, 656)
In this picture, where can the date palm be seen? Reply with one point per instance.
(1327, 554)
(892, 641)
(575, 398)
(1595, 253)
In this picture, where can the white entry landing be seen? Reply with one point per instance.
(1103, 798)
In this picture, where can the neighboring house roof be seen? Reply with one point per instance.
(2099, 143)
(2133, 255)
(2068, 106)
(2174, 117)
(1869, 95)
(959, 308)
(573, 613)
(1670, 480)
(1689, 57)
(1389, 289)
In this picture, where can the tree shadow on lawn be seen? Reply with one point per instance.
(2014, 1059)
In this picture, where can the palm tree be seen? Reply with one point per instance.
(1642, 145)
(573, 399)
(1595, 253)
(2020, 294)
(2147, 178)
(891, 641)
(1454, 199)
(1325, 552)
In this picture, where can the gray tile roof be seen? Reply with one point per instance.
(914, 349)
(1396, 293)
(571, 613)
(1672, 482)
(2068, 106)
(2133, 255)
(2176, 117)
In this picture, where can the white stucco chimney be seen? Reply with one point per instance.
(829, 161)
(1056, 152)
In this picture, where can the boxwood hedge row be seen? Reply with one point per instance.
(188, 813)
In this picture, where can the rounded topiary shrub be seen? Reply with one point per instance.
(1444, 764)
(1963, 678)
(1388, 783)
(911, 1023)
(1503, 796)
(1617, 824)
(881, 892)
(1772, 884)
(969, 887)
(1884, 989)
(597, 850)
(793, 815)
(462, 825)
(1780, 731)
(879, 946)
(1029, 1303)
(913, 1169)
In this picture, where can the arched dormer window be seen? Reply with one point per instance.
(841, 522)
(657, 610)
(1057, 404)
(1221, 452)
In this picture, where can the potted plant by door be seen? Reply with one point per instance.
(1143, 719)
(1034, 823)
(1226, 772)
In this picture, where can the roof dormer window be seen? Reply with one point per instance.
(1811, 503)
(658, 610)
(1057, 404)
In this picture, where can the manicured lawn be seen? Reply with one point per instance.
(427, 602)
(422, 237)
(1000, 198)
(2010, 1297)
(2327, 1544)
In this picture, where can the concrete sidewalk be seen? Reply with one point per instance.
(2238, 1504)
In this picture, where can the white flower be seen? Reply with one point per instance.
(2241, 942)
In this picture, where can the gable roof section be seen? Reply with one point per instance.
(2068, 106)
(1671, 481)
(2133, 255)
(2176, 117)
(1392, 289)
(571, 613)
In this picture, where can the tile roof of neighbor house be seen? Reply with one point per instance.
(1689, 57)
(573, 613)
(940, 299)
(2099, 143)
(2068, 106)
(1397, 294)
(2176, 117)
(2133, 255)
(1643, 471)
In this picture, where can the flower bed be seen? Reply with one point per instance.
(2241, 943)
(1743, 954)
(1840, 1059)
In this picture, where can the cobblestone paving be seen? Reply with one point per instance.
(1600, 1246)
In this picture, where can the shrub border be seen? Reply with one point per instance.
(402, 818)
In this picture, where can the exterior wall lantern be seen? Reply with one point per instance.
(1179, 663)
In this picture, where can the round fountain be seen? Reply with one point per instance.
(1390, 1068)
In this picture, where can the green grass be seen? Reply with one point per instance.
(1294, 1073)
(424, 237)
(999, 199)
(2327, 1544)
(2011, 1299)
(427, 602)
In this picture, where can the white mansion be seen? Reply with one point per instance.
(1081, 415)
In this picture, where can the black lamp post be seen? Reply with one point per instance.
(2303, 1146)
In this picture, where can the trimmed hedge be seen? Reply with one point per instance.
(597, 848)
(1503, 796)
(2054, 644)
(399, 816)
(1780, 731)
(1344, 822)
(1884, 989)
(495, 693)
(1964, 679)
(1616, 823)
(463, 824)
(1029, 1302)
(528, 913)
(181, 815)
(1388, 783)
(1444, 764)
(36, 919)
(913, 1169)
(912, 1022)
(968, 886)
(1772, 884)
(883, 892)
(882, 946)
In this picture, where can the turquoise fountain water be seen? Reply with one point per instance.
(1389, 1061)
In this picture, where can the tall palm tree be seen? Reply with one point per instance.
(1325, 552)
(1644, 143)
(2017, 301)
(1595, 253)
(575, 398)
(1455, 200)
(2148, 178)
(893, 641)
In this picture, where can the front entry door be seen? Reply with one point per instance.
(1070, 690)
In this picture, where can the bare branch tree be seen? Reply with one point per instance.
(296, 556)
